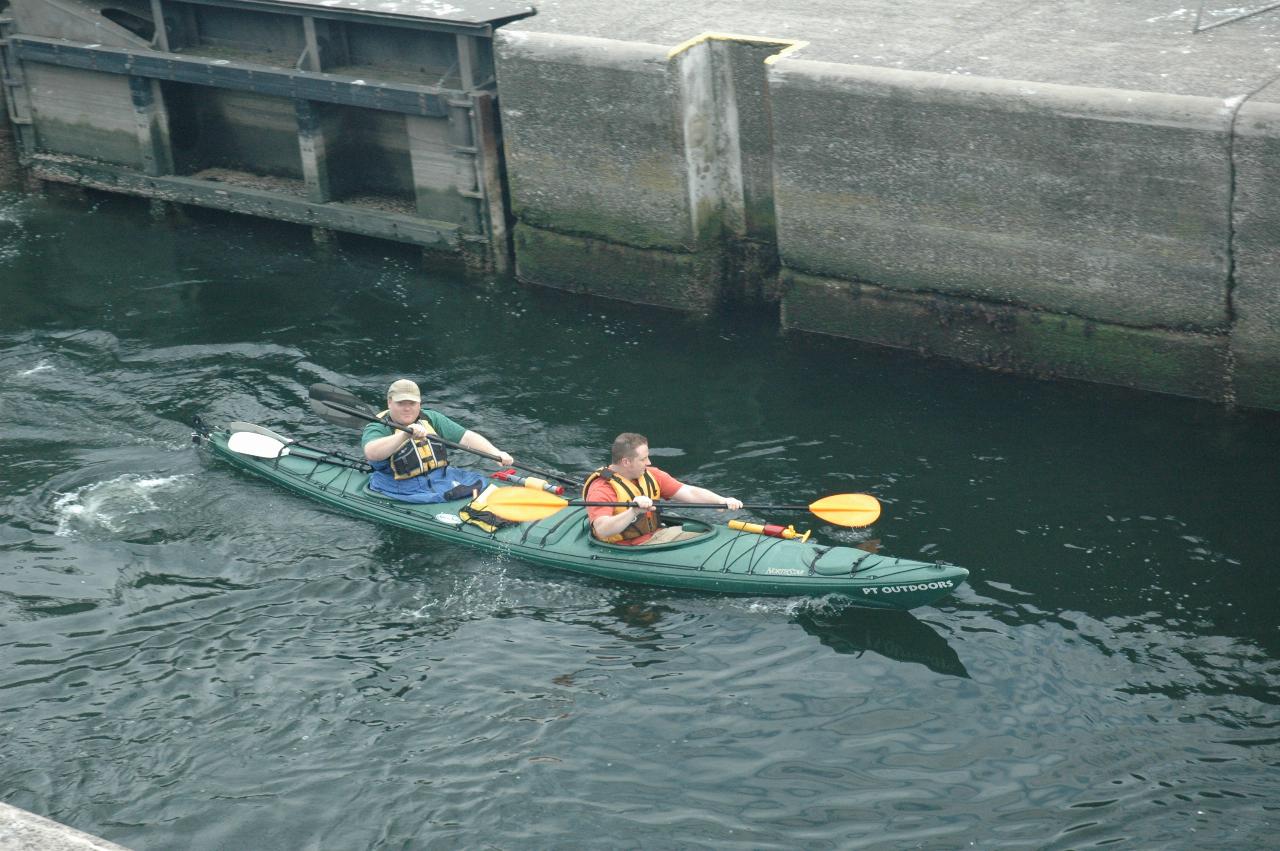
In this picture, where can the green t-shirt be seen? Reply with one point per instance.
(445, 427)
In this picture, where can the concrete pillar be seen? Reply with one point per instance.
(315, 158)
(152, 122)
(728, 155)
(708, 118)
(1255, 293)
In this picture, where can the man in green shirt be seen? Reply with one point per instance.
(410, 466)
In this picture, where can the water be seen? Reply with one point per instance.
(190, 658)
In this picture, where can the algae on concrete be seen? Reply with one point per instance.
(1009, 338)
(669, 279)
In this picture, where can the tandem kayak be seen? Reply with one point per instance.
(718, 559)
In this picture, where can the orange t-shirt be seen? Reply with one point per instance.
(602, 491)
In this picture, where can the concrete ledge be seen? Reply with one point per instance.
(24, 831)
(685, 281)
(1009, 339)
(1096, 202)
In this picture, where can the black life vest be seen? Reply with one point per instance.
(414, 458)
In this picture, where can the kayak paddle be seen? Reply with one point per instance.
(240, 425)
(345, 409)
(263, 446)
(522, 505)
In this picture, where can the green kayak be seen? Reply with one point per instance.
(719, 559)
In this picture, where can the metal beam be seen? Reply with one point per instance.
(412, 15)
(254, 202)
(243, 76)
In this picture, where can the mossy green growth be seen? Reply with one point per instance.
(1009, 338)
(682, 281)
(91, 141)
(1257, 382)
(638, 202)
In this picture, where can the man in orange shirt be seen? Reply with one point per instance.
(631, 478)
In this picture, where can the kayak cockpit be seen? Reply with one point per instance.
(697, 529)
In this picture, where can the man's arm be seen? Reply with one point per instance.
(480, 443)
(607, 525)
(603, 521)
(689, 493)
(382, 448)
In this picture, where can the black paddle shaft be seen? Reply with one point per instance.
(669, 504)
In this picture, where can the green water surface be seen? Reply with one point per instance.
(190, 658)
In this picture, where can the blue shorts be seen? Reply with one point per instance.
(440, 485)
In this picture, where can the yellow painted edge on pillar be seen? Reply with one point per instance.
(789, 45)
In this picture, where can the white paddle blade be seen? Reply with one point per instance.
(257, 445)
(257, 429)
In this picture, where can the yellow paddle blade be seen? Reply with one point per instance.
(847, 509)
(522, 505)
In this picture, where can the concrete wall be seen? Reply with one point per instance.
(1043, 229)
(244, 131)
(1113, 236)
(596, 169)
(637, 171)
(1107, 204)
(1255, 299)
(77, 111)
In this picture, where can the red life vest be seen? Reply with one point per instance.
(627, 490)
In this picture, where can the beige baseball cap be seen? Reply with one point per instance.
(402, 390)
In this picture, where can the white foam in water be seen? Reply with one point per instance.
(12, 232)
(105, 505)
(43, 366)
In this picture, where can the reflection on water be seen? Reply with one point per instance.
(192, 658)
(894, 635)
